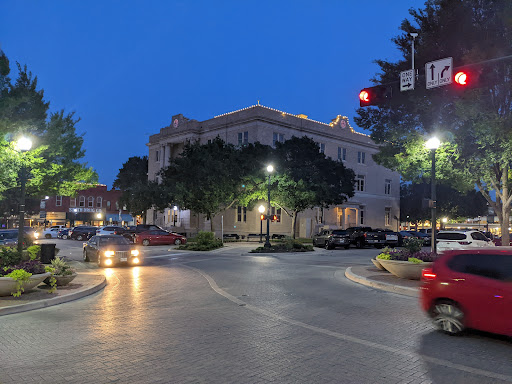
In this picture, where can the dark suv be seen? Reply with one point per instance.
(82, 233)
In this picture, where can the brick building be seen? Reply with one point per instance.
(94, 206)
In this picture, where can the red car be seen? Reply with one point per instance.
(159, 237)
(470, 289)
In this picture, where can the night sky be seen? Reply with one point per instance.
(125, 67)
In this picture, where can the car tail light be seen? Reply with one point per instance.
(464, 242)
(427, 274)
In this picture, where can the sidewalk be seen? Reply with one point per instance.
(375, 278)
(86, 283)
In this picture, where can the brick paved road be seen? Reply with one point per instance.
(229, 317)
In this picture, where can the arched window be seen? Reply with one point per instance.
(99, 202)
(90, 202)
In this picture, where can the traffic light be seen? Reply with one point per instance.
(263, 217)
(461, 78)
(377, 95)
(274, 218)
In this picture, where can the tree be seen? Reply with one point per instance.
(474, 124)
(53, 163)
(306, 178)
(138, 194)
(451, 203)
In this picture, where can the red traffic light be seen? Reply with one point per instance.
(274, 217)
(461, 78)
(364, 96)
(262, 217)
(378, 95)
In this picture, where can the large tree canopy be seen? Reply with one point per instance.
(53, 163)
(474, 124)
(211, 177)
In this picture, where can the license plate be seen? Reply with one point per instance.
(124, 259)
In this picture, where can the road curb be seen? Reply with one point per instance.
(54, 300)
(413, 292)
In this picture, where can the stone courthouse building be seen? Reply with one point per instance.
(376, 202)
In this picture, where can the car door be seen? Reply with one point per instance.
(478, 285)
(480, 239)
(91, 248)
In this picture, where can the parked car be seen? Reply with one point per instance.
(9, 237)
(392, 237)
(362, 236)
(406, 235)
(470, 288)
(320, 238)
(110, 250)
(49, 233)
(110, 230)
(63, 233)
(338, 238)
(130, 231)
(447, 240)
(159, 237)
(426, 237)
(82, 233)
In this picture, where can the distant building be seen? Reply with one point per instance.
(94, 206)
(377, 191)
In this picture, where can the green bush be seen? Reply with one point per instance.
(287, 245)
(34, 251)
(20, 276)
(204, 241)
(414, 260)
(413, 245)
(9, 256)
(384, 256)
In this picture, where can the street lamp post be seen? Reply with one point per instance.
(261, 209)
(270, 169)
(175, 213)
(433, 144)
(23, 144)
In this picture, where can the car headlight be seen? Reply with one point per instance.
(36, 235)
(109, 253)
(135, 252)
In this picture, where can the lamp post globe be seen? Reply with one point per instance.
(23, 144)
(270, 169)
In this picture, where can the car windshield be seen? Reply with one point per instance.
(339, 232)
(113, 241)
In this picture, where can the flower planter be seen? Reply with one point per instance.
(405, 269)
(61, 280)
(8, 284)
(377, 263)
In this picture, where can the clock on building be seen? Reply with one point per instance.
(175, 123)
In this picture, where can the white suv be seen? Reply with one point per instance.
(108, 230)
(447, 240)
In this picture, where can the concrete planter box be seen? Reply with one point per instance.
(377, 264)
(61, 280)
(405, 269)
(8, 284)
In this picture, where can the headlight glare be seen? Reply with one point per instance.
(135, 252)
(109, 253)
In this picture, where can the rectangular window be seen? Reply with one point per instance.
(99, 202)
(81, 201)
(157, 155)
(277, 212)
(108, 205)
(342, 154)
(361, 215)
(277, 138)
(360, 179)
(241, 214)
(58, 201)
(72, 202)
(387, 216)
(387, 187)
(361, 157)
(90, 202)
(322, 148)
(243, 138)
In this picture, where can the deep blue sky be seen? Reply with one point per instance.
(125, 67)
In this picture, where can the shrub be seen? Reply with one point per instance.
(413, 245)
(287, 245)
(384, 256)
(32, 266)
(414, 260)
(204, 241)
(61, 268)
(20, 276)
(34, 251)
(9, 256)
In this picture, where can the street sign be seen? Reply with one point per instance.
(439, 72)
(407, 80)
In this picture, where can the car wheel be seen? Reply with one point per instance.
(448, 317)
(359, 243)
(64, 237)
(314, 243)
(328, 246)
(86, 258)
(47, 236)
(79, 237)
(177, 241)
(145, 242)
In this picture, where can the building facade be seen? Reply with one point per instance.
(94, 206)
(376, 201)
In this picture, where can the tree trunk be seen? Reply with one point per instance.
(294, 223)
(505, 208)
